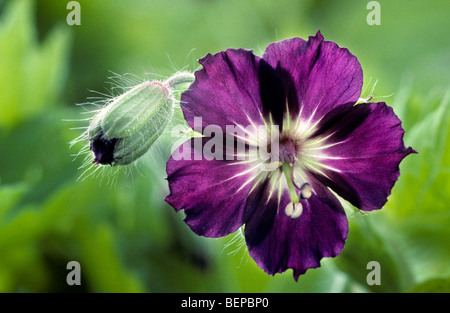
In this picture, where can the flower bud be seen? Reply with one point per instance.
(124, 130)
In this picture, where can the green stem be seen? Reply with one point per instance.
(179, 79)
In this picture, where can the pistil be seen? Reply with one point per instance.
(287, 170)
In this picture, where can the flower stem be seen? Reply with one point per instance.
(179, 79)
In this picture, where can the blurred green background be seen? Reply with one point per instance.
(126, 238)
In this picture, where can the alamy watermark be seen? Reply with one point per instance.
(374, 276)
(74, 16)
(73, 278)
(374, 16)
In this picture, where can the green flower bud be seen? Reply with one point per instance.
(124, 130)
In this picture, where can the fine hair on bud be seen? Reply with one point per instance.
(125, 129)
(125, 126)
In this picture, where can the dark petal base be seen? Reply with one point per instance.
(103, 150)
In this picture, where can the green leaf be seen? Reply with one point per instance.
(31, 74)
(10, 196)
(418, 208)
(437, 285)
(369, 240)
(21, 230)
(423, 180)
(101, 262)
(424, 243)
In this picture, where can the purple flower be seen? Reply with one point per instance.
(309, 88)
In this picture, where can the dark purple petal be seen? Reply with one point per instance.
(212, 192)
(317, 75)
(226, 91)
(276, 242)
(365, 150)
(272, 93)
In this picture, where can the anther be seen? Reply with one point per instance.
(305, 191)
(293, 210)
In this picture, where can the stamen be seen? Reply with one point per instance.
(293, 210)
(305, 191)
(305, 188)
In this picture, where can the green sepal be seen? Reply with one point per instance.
(135, 109)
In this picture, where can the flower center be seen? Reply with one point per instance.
(288, 151)
(294, 154)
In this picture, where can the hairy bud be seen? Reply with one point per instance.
(124, 130)
(126, 126)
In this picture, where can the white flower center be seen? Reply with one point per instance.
(291, 155)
